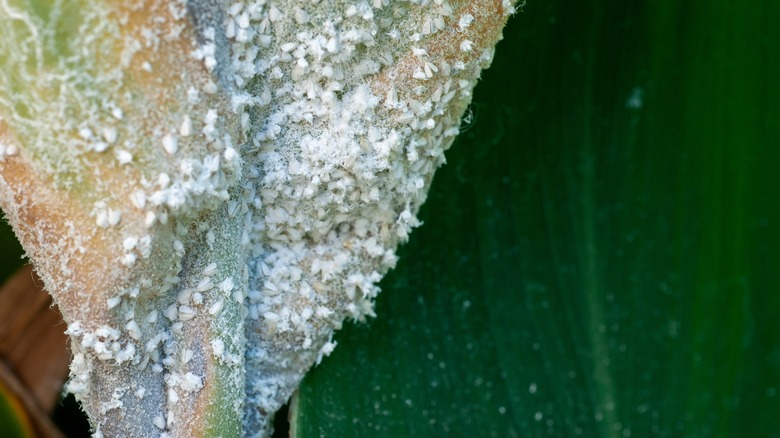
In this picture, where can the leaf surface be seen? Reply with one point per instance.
(599, 256)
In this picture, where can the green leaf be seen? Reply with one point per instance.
(600, 255)
(13, 419)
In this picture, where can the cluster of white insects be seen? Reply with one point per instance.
(254, 214)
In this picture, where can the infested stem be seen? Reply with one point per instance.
(223, 185)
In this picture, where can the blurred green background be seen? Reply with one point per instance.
(600, 255)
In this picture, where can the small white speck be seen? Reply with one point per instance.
(230, 154)
(243, 21)
(110, 135)
(635, 101)
(466, 45)
(114, 216)
(150, 219)
(218, 347)
(171, 312)
(210, 269)
(170, 144)
(163, 180)
(185, 129)
(101, 219)
(428, 26)
(133, 330)
(113, 302)
(129, 243)
(215, 308)
(124, 157)
(191, 383)
(138, 199)
(186, 313)
(301, 16)
(205, 285)
(129, 259)
(420, 53)
(446, 9)
(274, 14)
(333, 45)
(184, 296)
(227, 285)
(465, 21)
(193, 95)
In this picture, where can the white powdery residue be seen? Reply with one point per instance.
(218, 348)
(170, 143)
(326, 350)
(171, 312)
(185, 130)
(210, 269)
(227, 285)
(126, 354)
(101, 219)
(114, 403)
(159, 421)
(204, 285)
(114, 216)
(130, 243)
(129, 260)
(509, 7)
(216, 308)
(110, 135)
(173, 398)
(339, 189)
(79, 382)
(150, 219)
(209, 121)
(113, 302)
(178, 246)
(184, 296)
(186, 313)
(7, 150)
(153, 343)
(465, 21)
(133, 330)
(191, 383)
(138, 199)
(187, 356)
